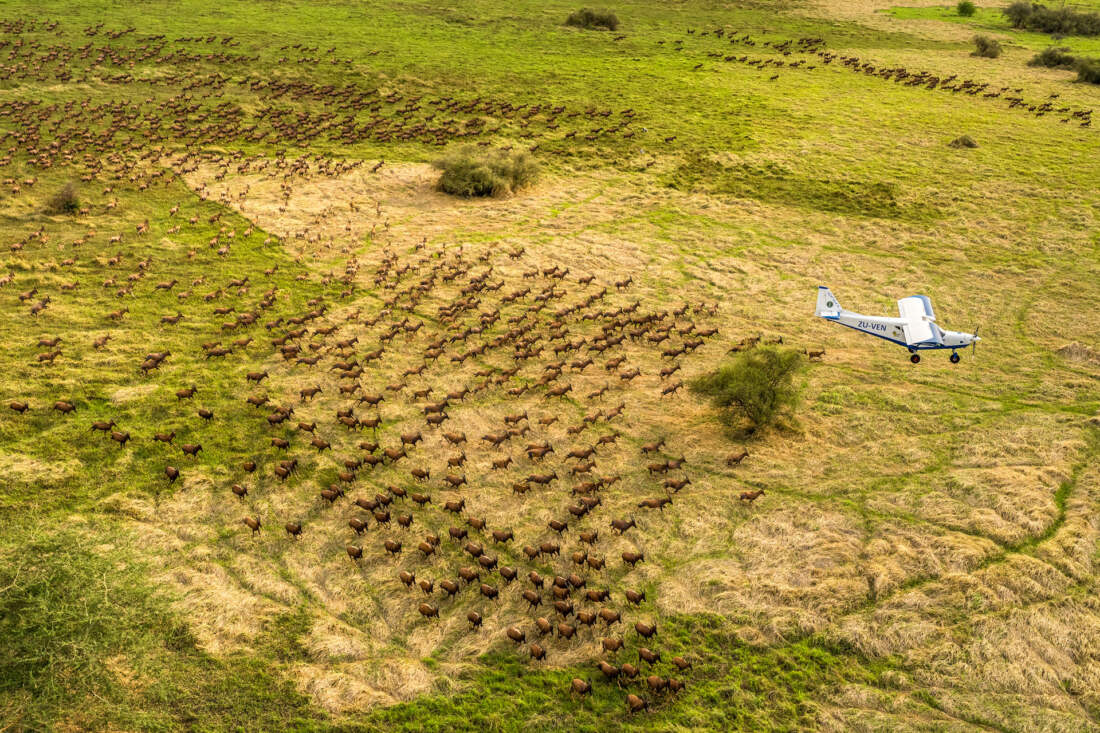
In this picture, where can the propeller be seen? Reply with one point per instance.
(974, 343)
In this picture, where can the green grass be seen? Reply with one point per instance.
(778, 184)
(731, 687)
(990, 18)
(89, 643)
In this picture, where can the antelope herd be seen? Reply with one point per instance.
(423, 386)
(815, 54)
(543, 362)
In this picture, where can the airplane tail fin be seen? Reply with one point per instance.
(827, 304)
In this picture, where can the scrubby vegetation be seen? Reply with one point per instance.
(469, 171)
(65, 201)
(1054, 58)
(986, 47)
(756, 389)
(1088, 70)
(593, 19)
(966, 8)
(963, 141)
(1037, 17)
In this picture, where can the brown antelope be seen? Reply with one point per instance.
(751, 496)
(735, 459)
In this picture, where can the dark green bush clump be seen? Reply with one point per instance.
(1054, 58)
(755, 389)
(966, 8)
(986, 47)
(963, 141)
(588, 18)
(1036, 17)
(1088, 70)
(1018, 13)
(471, 172)
(65, 201)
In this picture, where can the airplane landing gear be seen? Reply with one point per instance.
(954, 358)
(915, 358)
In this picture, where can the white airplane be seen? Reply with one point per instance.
(915, 329)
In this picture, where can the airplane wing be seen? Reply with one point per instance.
(917, 311)
(916, 306)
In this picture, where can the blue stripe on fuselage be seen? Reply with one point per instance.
(912, 347)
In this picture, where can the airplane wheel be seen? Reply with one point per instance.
(915, 358)
(955, 358)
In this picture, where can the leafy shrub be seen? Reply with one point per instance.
(966, 8)
(963, 141)
(469, 171)
(65, 201)
(1036, 17)
(1088, 70)
(986, 47)
(1018, 13)
(755, 389)
(588, 18)
(1054, 58)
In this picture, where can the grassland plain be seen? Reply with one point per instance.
(925, 554)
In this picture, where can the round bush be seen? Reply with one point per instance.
(470, 172)
(1088, 70)
(597, 19)
(1054, 58)
(64, 201)
(986, 47)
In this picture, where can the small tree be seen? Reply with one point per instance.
(966, 8)
(986, 47)
(755, 389)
